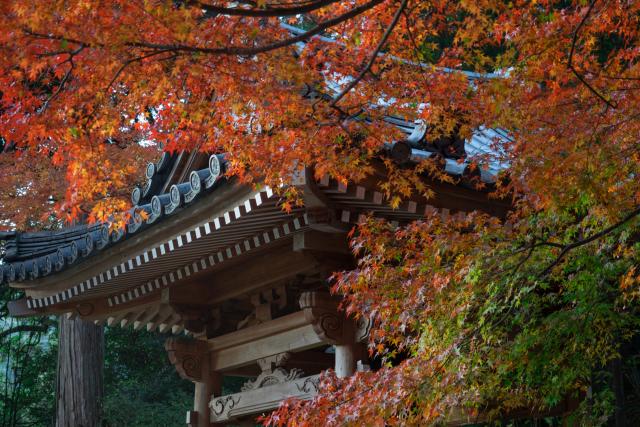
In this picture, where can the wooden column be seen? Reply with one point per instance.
(321, 310)
(191, 360)
(202, 395)
(345, 364)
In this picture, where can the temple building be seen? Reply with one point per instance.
(240, 283)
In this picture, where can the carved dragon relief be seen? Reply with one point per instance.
(261, 400)
(273, 372)
(278, 376)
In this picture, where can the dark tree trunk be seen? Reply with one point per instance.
(80, 364)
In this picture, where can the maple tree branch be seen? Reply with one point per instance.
(267, 12)
(65, 78)
(587, 240)
(248, 51)
(374, 55)
(571, 52)
(231, 50)
(53, 37)
(131, 61)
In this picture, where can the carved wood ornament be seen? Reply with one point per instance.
(321, 310)
(273, 372)
(330, 324)
(190, 358)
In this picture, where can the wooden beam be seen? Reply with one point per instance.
(289, 333)
(297, 339)
(215, 204)
(189, 294)
(269, 268)
(99, 308)
(169, 323)
(18, 308)
(164, 313)
(149, 315)
(261, 400)
(266, 329)
(321, 242)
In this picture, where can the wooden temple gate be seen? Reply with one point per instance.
(223, 263)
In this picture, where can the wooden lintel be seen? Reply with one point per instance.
(302, 338)
(266, 329)
(261, 400)
(289, 333)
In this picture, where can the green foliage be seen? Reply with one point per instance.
(27, 368)
(133, 408)
(141, 387)
(496, 319)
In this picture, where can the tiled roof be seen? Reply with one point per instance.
(31, 255)
(168, 189)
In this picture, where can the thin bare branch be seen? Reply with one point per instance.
(265, 12)
(131, 61)
(374, 55)
(572, 51)
(248, 51)
(567, 248)
(65, 78)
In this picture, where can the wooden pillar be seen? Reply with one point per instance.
(203, 391)
(345, 363)
(321, 310)
(191, 360)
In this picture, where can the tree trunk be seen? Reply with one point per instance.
(80, 364)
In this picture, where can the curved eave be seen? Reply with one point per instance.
(39, 259)
(134, 242)
(32, 258)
